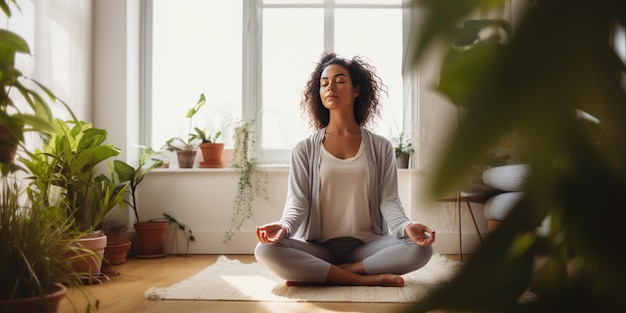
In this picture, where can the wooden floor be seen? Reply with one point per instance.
(125, 292)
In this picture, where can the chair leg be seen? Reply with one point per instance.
(469, 208)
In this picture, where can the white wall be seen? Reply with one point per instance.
(202, 199)
(116, 77)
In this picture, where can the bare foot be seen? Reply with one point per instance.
(383, 280)
(390, 280)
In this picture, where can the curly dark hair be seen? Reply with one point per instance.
(363, 76)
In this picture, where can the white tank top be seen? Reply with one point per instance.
(344, 201)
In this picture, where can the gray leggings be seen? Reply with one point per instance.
(309, 261)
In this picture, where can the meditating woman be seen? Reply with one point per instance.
(342, 198)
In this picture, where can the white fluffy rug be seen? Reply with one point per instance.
(235, 281)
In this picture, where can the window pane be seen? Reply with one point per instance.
(196, 49)
(288, 59)
(386, 57)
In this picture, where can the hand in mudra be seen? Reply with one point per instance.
(420, 234)
(270, 233)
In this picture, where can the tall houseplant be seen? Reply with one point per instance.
(559, 65)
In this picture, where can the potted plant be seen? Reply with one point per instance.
(150, 234)
(251, 177)
(65, 172)
(118, 243)
(403, 149)
(34, 271)
(211, 150)
(187, 148)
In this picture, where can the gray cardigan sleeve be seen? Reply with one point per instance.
(386, 184)
(301, 215)
(297, 205)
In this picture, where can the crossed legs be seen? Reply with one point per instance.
(378, 263)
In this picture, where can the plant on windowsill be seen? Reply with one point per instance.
(252, 178)
(211, 150)
(403, 149)
(186, 149)
(150, 234)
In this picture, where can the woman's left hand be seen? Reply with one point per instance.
(270, 233)
(420, 234)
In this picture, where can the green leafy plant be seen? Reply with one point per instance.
(472, 46)
(204, 137)
(65, 172)
(180, 227)
(148, 161)
(469, 53)
(135, 175)
(558, 69)
(193, 140)
(251, 177)
(402, 144)
(33, 241)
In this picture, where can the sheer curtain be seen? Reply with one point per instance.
(59, 35)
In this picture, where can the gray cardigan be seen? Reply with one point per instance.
(301, 215)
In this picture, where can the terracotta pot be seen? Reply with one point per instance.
(151, 239)
(85, 263)
(34, 304)
(8, 145)
(186, 158)
(211, 155)
(115, 253)
(116, 237)
(402, 160)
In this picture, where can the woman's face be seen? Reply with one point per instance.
(336, 89)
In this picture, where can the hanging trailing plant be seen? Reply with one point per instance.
(252, 179)
(183, 228)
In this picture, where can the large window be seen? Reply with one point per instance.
(253, 58)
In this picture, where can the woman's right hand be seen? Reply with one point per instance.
(270, 233)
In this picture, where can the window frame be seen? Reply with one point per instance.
(252, 46)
